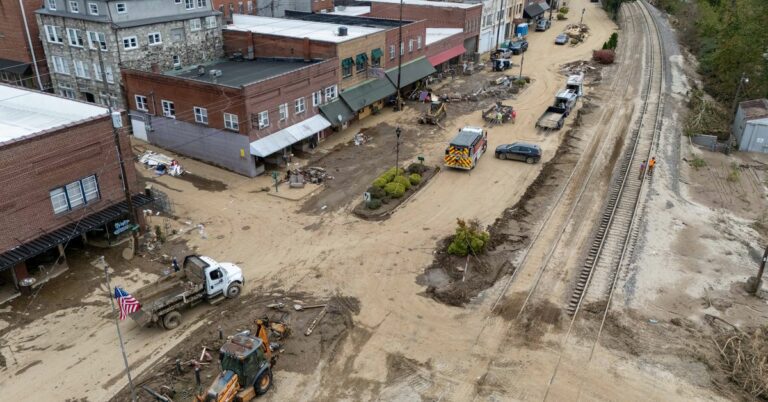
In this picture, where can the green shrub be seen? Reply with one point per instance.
(561, 16)
(605, 45)
(403, 180)
(380, 182)
(374, 203)
(377, 192)
(468, 237)
(415, 179)
(417, 168)
(613, 41)
(394, 190)
(698, 163)
(564, 10)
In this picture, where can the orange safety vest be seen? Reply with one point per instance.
(651, 163)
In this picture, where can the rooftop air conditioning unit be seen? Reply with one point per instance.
(343, 31)
(215, 73)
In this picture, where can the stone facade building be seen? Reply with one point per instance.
(22, 60)
(81, 35)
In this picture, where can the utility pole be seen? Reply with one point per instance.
(760, 271)
(398, 131)
(551, 7)
(400, 49)
(116, 134)
(500, 19)
(581, 21)
(742, 80)
(522, 59)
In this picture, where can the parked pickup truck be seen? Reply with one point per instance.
(200, 279)
(554, 117)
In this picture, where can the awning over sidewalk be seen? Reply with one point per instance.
(446, 55)
(534, 10)
(50, 240)
(288, 136)
(17, 67)
(367, 93)
(411, 72)
(337, 112)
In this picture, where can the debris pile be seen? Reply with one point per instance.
(161, 163)
(312, 174)
(577, 32)
(503, 88)
(744, 359)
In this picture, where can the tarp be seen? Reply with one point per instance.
(337, 112)
(367, 93)
(446, 55)
(288, 136)
(411, 72)
(534, 10)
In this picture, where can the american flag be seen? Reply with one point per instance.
(127, 303)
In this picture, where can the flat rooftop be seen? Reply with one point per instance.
(345, 20)
(24, 112)
(238, 73)
(351, 10)
(292, 28)
(425, 3)
(438, 34)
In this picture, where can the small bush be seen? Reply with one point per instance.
(605, 45)
(561, 16)
(520, 83)
(698, 163)
(380, 182)
(374, 203)
(394, 190)
(377, 192)
(468, 238)
(416, 168)
(613, 41)
(603, 56)
(415, 179)
(564, 10)
(404, 181)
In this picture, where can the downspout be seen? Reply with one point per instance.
(31, 48)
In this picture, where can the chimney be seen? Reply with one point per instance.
(307, 49)
(155, 68)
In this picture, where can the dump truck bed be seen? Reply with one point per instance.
(169, 289)
(552, 118)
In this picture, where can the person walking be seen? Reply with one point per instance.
(642, 170)
(651, 165)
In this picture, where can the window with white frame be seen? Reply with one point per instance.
(176, 60)
(283, 112)
(97, 75)
(231, 122)
(168, 109)
(141, 103)
(263, 119)
(201, 115)
(74, 194)
(97, 39)
(75, 39)
(418, 42)
(202, 3)
(249, 6)
(53, 33)
(52, 5)
(81, 69)
(402, 48)
(391, 52)
(93, 8)
(331, 93)
(74, 7)
(66, 91)
(108, 73)
(299, 106)
(189, 4)
(60, 65)
(121, 8)
(155, 39)
(177, 1)
(210, 22)
(410, 45)
(317, 98)
(194, 24)
(130, 42)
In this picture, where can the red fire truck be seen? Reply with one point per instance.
(466, 148)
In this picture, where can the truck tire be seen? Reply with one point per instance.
(263, 382)
(234, 290)
(172, 320)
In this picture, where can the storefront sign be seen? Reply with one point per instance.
(122, 226)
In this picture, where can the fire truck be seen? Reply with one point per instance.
(466, 148)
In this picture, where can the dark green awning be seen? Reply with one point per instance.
(361, 58)
(376, 53)
(411, 72)
(346, 62)
(337, 112)
(367, 93)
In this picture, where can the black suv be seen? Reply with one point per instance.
(518, 47)
(522, 151)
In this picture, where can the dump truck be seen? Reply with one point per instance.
(466, 148)
(246, 365)
(554, 117)
(199, 279)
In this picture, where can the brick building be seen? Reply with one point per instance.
(22, 59)
(238, 114)
(130, 34)
(270, 8)
(60, 180)
(366, 49)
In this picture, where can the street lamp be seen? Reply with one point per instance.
(583, 10)
(398, 131)
(742, 80)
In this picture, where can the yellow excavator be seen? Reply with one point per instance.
(246, 365)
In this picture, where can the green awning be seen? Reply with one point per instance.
(361, 58)
(346, 62)
(376, 53)
(367, 93)
(337, 112)
(411, 72)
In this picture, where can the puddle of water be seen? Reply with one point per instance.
(436, 277)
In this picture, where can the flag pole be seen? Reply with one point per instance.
(111, 296)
